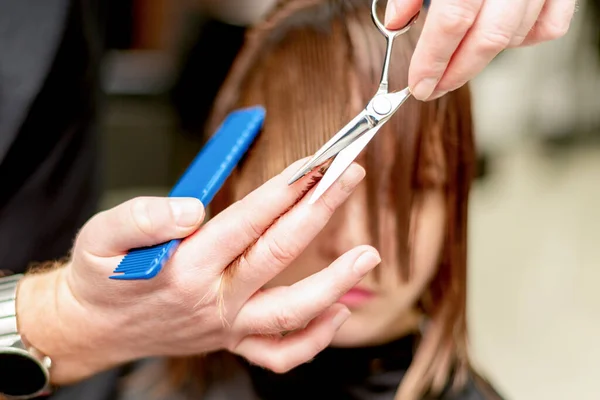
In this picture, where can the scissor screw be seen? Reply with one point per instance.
(381, 105)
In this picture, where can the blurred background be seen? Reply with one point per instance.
(534, 307)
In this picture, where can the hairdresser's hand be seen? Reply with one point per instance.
(88, 323)
(461, 37)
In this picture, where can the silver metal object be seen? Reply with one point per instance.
(27, 369)
(347, 144)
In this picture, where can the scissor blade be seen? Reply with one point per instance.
(354, 129)
(341, 162)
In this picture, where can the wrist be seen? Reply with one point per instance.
(51, 320)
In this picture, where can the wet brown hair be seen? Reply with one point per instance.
(314, 64)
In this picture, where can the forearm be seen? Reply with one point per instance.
(51, 320)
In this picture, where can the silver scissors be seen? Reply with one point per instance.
(347, 144)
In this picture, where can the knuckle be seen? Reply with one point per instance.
(287, 321)
(457, 18)
(250, 228)
(184, 293)
(494, 40)
(280, 254)
(140, 216)
(328, 205)
(181, 289)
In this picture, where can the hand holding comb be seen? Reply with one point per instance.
(202, 179)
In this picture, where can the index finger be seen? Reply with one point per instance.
(220, 241)
(447, 22)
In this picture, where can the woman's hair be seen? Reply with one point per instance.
(314, 64)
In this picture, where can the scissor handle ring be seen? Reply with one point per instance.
(391, 33)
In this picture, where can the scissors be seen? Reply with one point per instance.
(347, 144)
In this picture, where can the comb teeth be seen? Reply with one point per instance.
(144, 263)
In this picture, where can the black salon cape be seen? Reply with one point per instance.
(367, 373)
(370, 373)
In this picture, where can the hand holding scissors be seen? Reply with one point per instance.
(347, 144)
(461, 37)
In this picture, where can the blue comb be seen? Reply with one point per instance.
(202, 180)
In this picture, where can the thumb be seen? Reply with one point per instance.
(399, 12)
(141, 222)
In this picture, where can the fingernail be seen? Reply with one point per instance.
(187, 212)
(366, 262)
(341, 317)
(437, 94)
(390, 12)
(424, 88)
